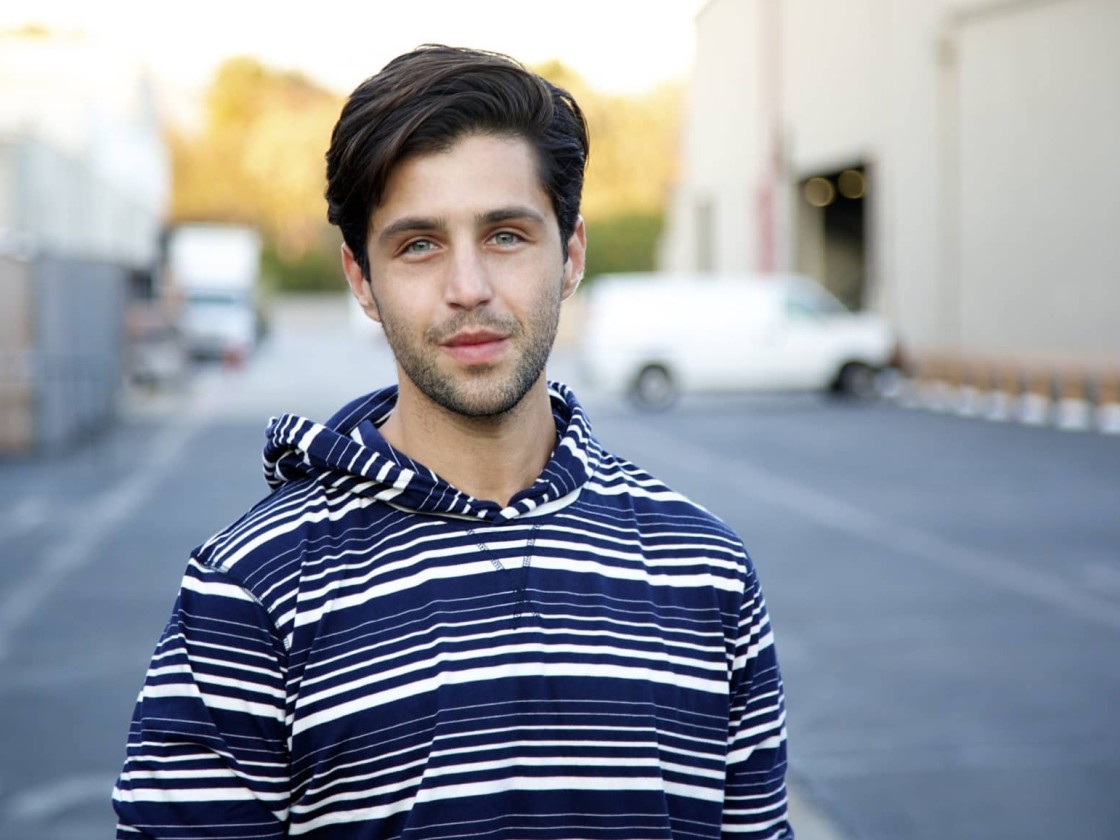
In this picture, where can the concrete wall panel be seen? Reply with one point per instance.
(1039, 181)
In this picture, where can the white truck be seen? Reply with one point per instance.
(215, 270)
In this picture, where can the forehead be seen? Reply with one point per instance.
(474, 174)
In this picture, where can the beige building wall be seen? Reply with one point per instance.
(713, 222)
(1038, 222)
(988, 130)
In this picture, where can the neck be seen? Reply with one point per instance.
(490, 458)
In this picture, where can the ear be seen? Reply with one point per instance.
(359, 285)
(577, 253)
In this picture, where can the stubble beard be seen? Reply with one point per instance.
(481, 392)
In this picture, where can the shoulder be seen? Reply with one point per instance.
(268, 549)
(623, 485)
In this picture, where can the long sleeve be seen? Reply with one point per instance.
(755, 803)
(207, 754)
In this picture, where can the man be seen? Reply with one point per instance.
(457, 615)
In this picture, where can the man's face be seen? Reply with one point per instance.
(467, 273)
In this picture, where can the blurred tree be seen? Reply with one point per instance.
(318, 269)
(622, 242)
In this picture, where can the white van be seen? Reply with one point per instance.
(655, 336)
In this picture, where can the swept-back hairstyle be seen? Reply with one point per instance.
(424, 101)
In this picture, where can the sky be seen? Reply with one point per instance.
(618, 46)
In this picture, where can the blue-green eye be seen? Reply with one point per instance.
(419, 246)
(506, 237)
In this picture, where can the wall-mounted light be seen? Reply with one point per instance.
(852, 184)
(819, 192)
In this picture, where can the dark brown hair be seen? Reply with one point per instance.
(425, 100)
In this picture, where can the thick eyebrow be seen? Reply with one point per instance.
(509, 214)
(410, 224)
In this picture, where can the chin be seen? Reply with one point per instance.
(485, 396)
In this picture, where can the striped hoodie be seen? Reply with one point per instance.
(370, 653)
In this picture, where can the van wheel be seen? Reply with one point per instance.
(653, 388)
(856, 380)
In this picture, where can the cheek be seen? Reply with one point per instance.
(400, 313)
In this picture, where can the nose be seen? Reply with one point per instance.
(468, 282)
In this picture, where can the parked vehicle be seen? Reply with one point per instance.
(215, 269)
(654, 337)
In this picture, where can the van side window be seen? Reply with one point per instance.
(799, 308)
(812, 303)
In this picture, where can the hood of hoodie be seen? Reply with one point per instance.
(348, 454)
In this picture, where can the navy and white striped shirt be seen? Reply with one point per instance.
(370, 653)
